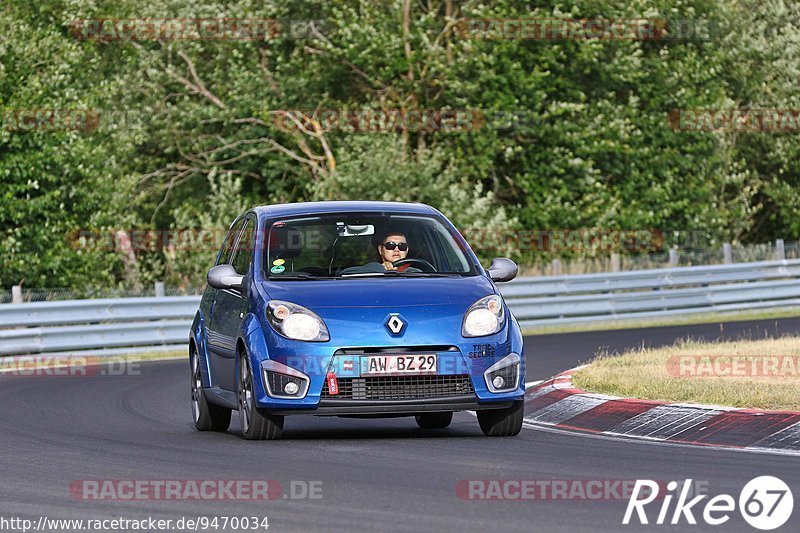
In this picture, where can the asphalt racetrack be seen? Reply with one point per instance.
(371, 475)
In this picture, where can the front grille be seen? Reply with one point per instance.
(400, 388)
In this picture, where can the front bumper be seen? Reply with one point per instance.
(466, 361)
(393, 408)
(457, 386)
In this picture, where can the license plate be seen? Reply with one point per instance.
(398, 365)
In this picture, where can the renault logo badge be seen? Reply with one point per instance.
(395, 324)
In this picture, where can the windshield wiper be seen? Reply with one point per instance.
(395, 273)
(429, 274)
(364, 274)
(298, 276)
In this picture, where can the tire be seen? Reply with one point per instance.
(207, 416)
(254, 424)
(434, 420)
(502, 422)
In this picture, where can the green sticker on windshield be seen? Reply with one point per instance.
(279, 262)
(277, 269)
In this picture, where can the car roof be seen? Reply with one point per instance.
(315, 208)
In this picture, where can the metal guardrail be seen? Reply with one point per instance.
(101, 310)
(662, 278)
(651, 293)
(159, 322)
(75, 325)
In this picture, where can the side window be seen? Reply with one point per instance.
(244, 250)
(447, 246)
(227, 246)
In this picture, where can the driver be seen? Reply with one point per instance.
(392, 247)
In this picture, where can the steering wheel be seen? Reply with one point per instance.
(424, 265)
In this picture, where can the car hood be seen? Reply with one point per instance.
(381, 292)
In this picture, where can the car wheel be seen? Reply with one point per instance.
(207, 416)
(502, 422)
(434, 420)
(254, 424)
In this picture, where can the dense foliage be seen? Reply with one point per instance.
(562, 134)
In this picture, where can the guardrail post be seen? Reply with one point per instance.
(615, 263)
(727, 253)
(16, 294)
(159, 289)
(556, 267)
(780, 250)
(673, 257)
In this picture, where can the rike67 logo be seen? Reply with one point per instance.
(765, 503)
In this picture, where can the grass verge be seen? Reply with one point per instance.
(700, 318)
(761, 374)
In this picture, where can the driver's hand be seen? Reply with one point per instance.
(388, 265)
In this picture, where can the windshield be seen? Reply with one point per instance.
(362, 246)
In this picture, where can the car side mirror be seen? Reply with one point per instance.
(224, 277)
(503, 269)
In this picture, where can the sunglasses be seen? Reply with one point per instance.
(402, 246)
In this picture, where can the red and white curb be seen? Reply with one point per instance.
(558, 403)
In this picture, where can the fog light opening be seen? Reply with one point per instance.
(291, 388)
(504, 375)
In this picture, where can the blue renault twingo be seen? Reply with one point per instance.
(353, 309)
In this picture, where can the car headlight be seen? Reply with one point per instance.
(296, 322)
(484, 317)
